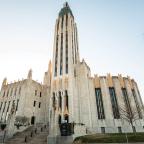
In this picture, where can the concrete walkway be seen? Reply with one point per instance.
(40, 137)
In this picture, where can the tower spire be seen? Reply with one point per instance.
(66, 52)
(66, 4)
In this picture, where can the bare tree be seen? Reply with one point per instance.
(130, 113)
(21, 121)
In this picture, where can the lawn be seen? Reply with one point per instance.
(110, 138)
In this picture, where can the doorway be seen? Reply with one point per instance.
(32, 120)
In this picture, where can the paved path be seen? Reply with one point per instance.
(39, 138)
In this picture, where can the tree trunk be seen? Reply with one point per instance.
(133, 128)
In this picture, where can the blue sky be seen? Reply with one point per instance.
(111, 36)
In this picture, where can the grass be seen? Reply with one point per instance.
(110, 138)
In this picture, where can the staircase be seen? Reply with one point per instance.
(32, 135)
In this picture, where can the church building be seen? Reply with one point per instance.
(70, 94)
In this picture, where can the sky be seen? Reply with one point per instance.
(111, 37)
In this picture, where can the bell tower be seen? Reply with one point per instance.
(65, 50)
(63, 99)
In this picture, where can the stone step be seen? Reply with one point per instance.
(39, 138)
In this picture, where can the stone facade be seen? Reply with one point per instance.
(77, 97)
(29, 98)
(70, 94)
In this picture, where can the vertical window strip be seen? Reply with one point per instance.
(72, 48)
(39, 104)
(77, 38)
(126, 100)
(4, 107)
(75, 43)
(17, 104)
(1, 106)
(11, 92)
(66, 117)
(66, 21)
(114, 103)
(62, 22)
(99, 103)
(60, 100)
(8, 106)
(66, 52)
(54, 101)
(15, 91)
(56, 55)
(66, 98)
(57, 26)
(19, 90)
(137, 104)
(61, 55)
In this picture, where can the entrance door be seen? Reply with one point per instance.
(67, 118)
(32, 120)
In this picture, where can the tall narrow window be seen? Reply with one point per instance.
(59, 119)
(61, 55)
(57, 26)
(60, 100)
(72, 48)
(66, 52)
(3, 110)
(66, 20)
(66, 99)
(1, 106)
(99, 103)
(19, 90)
(56, 55)
(15, 91)
(11, 92)
(17, 104)
(75, 43)
(54, 101)
(39, 104)
(4, 107)
(66, 116)
(115, 108)
(126, 100)
(62, 22)
(8, 106)
(137, 104)
(34, 104)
